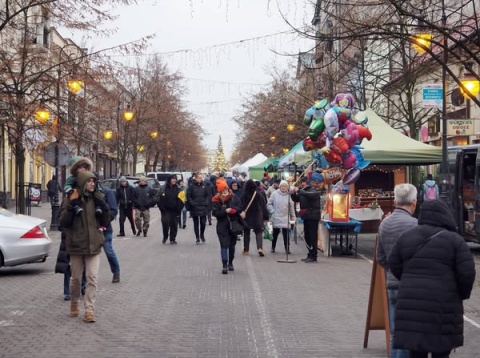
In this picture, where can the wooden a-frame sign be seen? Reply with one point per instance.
(377, 314)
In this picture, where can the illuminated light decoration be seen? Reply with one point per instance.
(108, 134)
(154, 134)
(338, 205)
(74, 86)
(421, 42)
(140, 148)
(291, 127)
(472, 85)
(128, 114)
(42, 114)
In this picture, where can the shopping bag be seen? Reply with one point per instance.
(268, 231)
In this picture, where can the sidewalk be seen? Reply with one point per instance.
(173, 301)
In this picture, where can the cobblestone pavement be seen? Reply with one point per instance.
(173, 301)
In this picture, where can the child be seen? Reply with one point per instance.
(80, 164)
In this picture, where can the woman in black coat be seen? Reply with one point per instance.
(255, 216)
(436, 272)
(226, 207)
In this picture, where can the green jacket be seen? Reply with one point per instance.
(84, 231)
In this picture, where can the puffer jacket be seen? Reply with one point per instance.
(282, 209)
(220, 205)
(84, 231)
(436, 272)
(198, 198)
(309, 199)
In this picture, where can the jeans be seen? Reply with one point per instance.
(112, 258)
(392, 303)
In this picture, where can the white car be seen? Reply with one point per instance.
(23, 239)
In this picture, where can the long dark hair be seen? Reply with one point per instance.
(249, 188)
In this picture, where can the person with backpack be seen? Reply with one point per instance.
(430, 189)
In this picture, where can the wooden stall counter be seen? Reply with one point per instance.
(370, 218)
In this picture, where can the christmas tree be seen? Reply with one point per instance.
(219, 163)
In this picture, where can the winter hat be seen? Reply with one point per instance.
(221, 184)
(142, 178)
(284, 182)
(123, 179)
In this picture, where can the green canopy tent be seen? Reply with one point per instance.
(256, 171)
(390, 147)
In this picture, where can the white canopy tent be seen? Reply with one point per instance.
(256, 159)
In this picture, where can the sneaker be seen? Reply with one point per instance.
(89, 317)
(164, 241)
(66, 298)
(197, 242)
(74, 311)
(305, 259)
(245, 253)
(116, 278)
(210, 222)
(230, 267)
(309, 260)
(184, 226)
(272, 251)
(260, 252)
(173, 242)
(203, 239)
(121, 234)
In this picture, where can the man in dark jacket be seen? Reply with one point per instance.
(170, 207)
(388, 233)
(199, 198)
(436, 272)
(84, 232)
(143, 200)
(309, 199)
(124, 195)
(108, 245)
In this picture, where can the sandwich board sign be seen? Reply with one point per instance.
(432, 95)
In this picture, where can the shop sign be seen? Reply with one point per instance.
(432, 95)
(460, 127)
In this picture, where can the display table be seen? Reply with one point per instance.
(369, 217)
(345, 234)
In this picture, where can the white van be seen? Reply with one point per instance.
(162, 176)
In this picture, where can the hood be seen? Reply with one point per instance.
(430, 182)
(82, 179)
(78, 163)
(170, 177)
(436, 213)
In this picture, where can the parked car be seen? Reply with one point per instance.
(162, 176)
(23, 239)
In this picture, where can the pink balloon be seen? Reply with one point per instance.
(351, 176)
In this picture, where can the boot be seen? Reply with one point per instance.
(74, 311)
(230, 265)
(225, 267)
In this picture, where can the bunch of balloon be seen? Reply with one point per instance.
(336, 138)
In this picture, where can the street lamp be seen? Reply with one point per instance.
(423, 42)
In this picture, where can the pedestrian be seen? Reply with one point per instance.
(282, 212)
(226, 207)
(170, 206)
(241, 179)
(430, 189)
(390, 229)
(236, 189)
(85, 238)
(436, 272)
(63, 266)
(182, 222)
(310, 207)
(256, 215)
(108, 233)
(143, 200)
(212, 190)
(124, 196)
(199, 198)
(272, 188)
(53, 188)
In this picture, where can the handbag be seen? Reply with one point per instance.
(236, 227)
(243, 214)
(268, 231)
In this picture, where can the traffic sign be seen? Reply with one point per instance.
(432, 95)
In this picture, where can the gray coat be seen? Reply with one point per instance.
(388, 233)
(281, 207)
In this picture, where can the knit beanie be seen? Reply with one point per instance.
(221, 184)
(123, 179)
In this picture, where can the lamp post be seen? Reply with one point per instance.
(42, 115)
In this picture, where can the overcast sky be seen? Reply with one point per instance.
(221, 47)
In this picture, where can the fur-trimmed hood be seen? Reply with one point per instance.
(77, 162)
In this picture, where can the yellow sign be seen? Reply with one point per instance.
(460, 127)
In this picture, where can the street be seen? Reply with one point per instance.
(173, 301)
